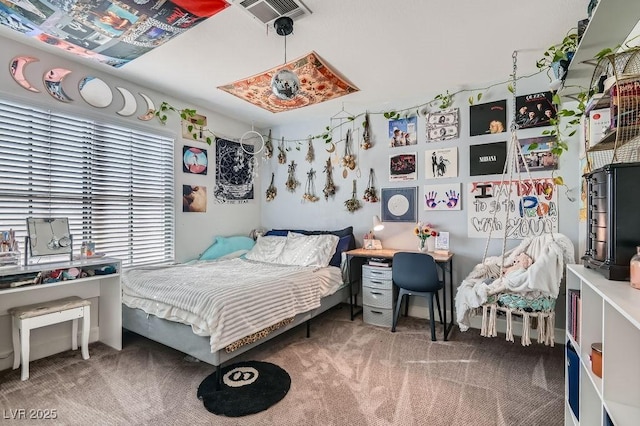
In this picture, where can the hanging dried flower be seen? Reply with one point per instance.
(329, 187)
(272, 191)
(366, 133)
(282, 153)
(371, 194)
(310, 152)
(353, 203)
(268, 147)
(348, 160)
(292, 183)
(310, 189)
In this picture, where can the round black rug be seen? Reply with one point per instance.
(247, 388)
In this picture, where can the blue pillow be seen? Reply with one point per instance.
(223, 246)
(344, 244)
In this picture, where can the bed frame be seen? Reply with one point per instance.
(180, 336)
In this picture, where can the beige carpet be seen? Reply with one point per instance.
(347, 373)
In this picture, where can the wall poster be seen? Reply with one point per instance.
(442, 125)
(402, 167)
(533, 208)
(441, 163)
(442, 197)
(234, 172)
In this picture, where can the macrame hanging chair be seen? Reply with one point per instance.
(524, 281)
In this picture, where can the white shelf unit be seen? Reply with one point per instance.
(610, 24)
(610, 315)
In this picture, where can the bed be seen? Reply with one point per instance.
(215, 310)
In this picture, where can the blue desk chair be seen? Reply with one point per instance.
(416, 274)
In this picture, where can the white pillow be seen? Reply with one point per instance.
(308, 250)
(267, 249)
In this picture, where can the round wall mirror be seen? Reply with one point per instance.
(95, 92)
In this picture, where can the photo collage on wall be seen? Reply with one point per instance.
(195, 161)
(489, 158)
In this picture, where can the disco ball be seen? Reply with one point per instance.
(285, 84)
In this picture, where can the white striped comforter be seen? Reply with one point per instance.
(226, 300)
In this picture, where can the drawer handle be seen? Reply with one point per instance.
(376, 312)
(377, 293)
(377, 282)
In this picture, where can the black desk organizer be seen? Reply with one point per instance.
(613, 219)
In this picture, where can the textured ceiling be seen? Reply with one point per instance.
(398, 53)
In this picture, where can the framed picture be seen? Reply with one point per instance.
(441, 163)
(535, 110)
(537, 153)
(442, 197)
(403, 132)
(487, 159)
(402, 167)
(399, 204)
(488, 118)
(442, 125)
(197, 123)
(194, 160)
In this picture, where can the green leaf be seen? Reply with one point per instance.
(510, 88)
(479, 96)
(209, 140)
(546, 132)
(556, 99)
(470, 100)
(190, 127)
(533, 146)
(604, 52)
(558, 180)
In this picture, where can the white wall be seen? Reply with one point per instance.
(194, 231)
(288, 210)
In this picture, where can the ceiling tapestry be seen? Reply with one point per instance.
(318, 83)
(108, 31)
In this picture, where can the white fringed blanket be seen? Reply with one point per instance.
(542, 279)
(229, 299)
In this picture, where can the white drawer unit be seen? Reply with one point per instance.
(377, 295)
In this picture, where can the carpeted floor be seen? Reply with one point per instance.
(347, 373)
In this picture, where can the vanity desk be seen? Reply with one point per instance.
(103, 289)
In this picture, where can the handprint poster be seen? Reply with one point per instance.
(532, 208)
(442, 197)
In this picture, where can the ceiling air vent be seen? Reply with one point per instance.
(267, 11)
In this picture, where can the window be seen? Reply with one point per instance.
(116, 185)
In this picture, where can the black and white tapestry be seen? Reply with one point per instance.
(234, 172)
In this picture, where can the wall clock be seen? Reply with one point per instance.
(399, 204)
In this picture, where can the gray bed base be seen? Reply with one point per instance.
(180, 336)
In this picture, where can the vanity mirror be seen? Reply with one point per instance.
(48, 237)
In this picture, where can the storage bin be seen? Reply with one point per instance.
(573, 378)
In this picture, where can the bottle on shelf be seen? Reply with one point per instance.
(635, 269)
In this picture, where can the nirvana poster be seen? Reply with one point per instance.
(234, 172)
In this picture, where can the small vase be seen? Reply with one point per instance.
(422, 247)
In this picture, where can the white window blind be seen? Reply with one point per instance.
(116, 185)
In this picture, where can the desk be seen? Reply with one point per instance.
(107, 321)
(444, 261)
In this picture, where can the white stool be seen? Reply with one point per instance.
(26, 318)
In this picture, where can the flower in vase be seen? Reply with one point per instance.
(424, 231)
